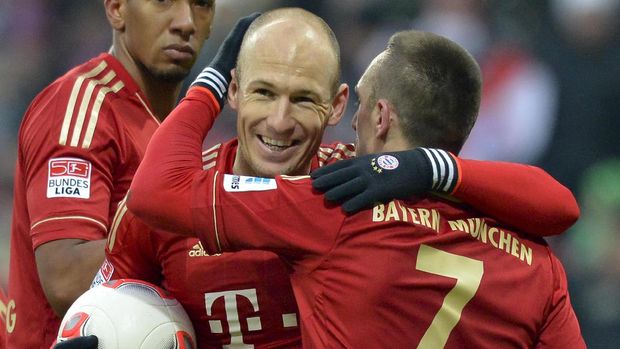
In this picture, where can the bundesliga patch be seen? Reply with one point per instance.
(68, 178)
(245, 183)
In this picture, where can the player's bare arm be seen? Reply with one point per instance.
(66, 268)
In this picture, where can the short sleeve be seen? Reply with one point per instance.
(68, 180)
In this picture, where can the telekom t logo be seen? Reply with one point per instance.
(232, 315)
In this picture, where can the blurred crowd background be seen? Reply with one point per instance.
(551, 98)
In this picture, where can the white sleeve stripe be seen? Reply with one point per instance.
(217, 73)
(450, 167)
(222, 84)
(444, 171)
(210, 83)
(433, 165)
(443, 168)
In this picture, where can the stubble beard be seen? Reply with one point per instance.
(173, 75)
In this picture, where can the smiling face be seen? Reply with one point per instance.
(284, 99)
(163, 37)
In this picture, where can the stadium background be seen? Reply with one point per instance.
(551, 98)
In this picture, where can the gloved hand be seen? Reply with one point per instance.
(361, 182)
(216, 75)
(88, 342)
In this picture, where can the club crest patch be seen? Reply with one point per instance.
(68, 178)
(387, 162)
(245, 183)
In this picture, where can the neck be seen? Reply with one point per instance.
(394, 141)
(161, 95)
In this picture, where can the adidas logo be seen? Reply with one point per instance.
(198, 251)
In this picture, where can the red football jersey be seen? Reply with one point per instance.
(424, 273)
(80, 143)
(170, 188)
(522, 196)
(236, 299)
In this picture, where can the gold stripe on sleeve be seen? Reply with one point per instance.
(118, 217)
(77, 129)
(94, 114)
(64, 132)
(69, 217)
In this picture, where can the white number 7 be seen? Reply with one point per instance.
(468, 274)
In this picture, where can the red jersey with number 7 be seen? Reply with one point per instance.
(424, 273)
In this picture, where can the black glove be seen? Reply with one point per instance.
(216, 75)
(359, 183)
(88, 342)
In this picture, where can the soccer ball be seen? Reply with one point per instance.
(127, 314)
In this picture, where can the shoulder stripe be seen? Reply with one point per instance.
(326, 150)
(69, 217)
(215, 147)
(64, 132)
(79, 122)
(118, 217)
(208, 157)
(94, 114)
(340, 151)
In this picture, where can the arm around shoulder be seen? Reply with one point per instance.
(525, 197)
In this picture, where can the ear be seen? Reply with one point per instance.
(115, 10)
(384, 117)
(339, 105)
(233, 89)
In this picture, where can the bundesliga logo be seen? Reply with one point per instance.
(68, 177)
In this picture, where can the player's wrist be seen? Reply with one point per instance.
(443, 166)
(214, 81)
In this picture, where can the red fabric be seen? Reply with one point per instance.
(106, 105)
(190, 120)
(524, 197)
(231, 289)
(361, 277)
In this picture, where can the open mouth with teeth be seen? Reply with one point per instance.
(277, 145)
